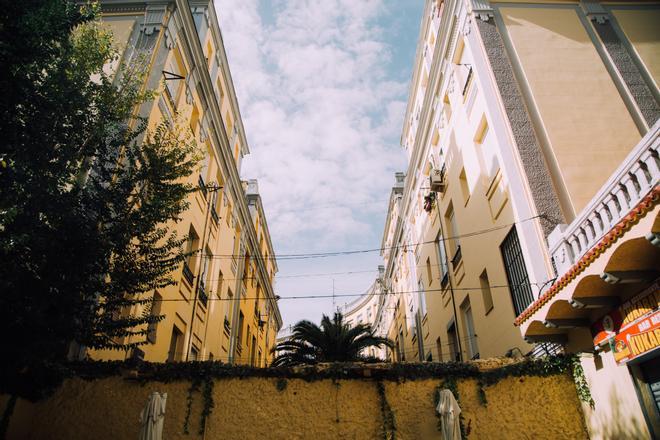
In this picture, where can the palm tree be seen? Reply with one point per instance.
(333, 341)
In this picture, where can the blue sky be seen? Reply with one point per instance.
(322, 87)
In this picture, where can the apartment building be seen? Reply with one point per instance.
(519, 111)
(223, 306)
(531, 195)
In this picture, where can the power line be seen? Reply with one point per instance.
(347, 294)
(304, 256)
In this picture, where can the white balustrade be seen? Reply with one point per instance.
(638, 174)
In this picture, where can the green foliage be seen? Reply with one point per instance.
(194, 386)
(389, 421)
(333, 341)
(581, 386)
(209, 404)
(85, 192)
(281, 384)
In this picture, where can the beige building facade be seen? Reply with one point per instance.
(223, 306)
(531, 133)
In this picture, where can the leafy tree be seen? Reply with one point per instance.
(86, 193)
(333, 341)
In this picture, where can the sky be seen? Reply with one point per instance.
(322, 87)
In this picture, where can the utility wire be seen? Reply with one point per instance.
(297, 297)
(304, 256)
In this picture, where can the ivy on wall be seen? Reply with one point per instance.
(389, 422)
(202, 375)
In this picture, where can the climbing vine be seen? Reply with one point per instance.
(40, 382)
(209, 404)
(194, 386)
(389, 422)
(581, 386)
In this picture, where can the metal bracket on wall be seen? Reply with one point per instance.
(169, 76)
(594, 11)
(482, 9)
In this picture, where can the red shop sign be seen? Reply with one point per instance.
(637, 339)
(626, 315)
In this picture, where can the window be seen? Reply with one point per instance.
(429, 272)
(215, 205)
(194, 120)
(422, 298)
(173, 86)
(220, 281)
(253, 349)
(402, 355)
(229, 124)
(176, 345)
(465, 188)
(485, 291)
(194, 354)
(516, 272)
(220, 91)
(205, 277)
(471, 336)
(442, 260)
(203, 172)
(228, 213)
(452, 236)
(209, 53)
(155, 311)
(239, 337)
(438, 346)
(191, 251)
(454, 352)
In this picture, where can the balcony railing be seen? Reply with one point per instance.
(636, 176)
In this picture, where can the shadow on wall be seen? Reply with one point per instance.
(620, 424)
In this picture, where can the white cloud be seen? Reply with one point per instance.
(322, 115)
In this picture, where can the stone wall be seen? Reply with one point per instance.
(518, 407)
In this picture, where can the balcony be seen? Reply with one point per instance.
(629, 184)
(187, 274)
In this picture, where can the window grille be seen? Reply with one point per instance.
(516, 272)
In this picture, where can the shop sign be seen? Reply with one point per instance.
(626, 316)
(637, 339)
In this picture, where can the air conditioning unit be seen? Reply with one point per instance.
(437, 180)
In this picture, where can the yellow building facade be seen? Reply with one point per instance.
(223, 306)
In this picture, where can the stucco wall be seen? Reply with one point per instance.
(582, 111)
(251, 408)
